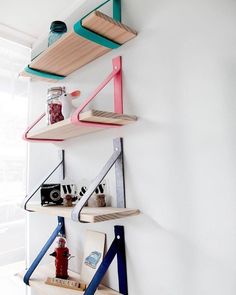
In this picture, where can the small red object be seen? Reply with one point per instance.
(61, 253)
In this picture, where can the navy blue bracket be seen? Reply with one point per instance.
(95, 37)
(117, 248)
(60, 229)
(60, 164)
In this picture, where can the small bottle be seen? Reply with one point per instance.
(54, 106)
(57, 29)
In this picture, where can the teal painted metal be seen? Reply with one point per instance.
(43, 74)
(94, 37)
(117, 10)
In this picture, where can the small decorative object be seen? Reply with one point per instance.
(93, 259)
(68, 201)
(62, 255)
(57, 29)
(68, 284)
(69, 196)
(51, 194)
(82, 191)
(66, 102)
(98, 199)
(93, 254)
(54, 105)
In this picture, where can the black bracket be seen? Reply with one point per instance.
(61, 165)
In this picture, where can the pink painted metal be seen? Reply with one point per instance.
(118, 95)
(118, 100)
(25, 135)
(116, 74)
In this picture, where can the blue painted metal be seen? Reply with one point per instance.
(60, 229)
(94, 37)
(121, 260)
(117, 248)
(42, 74)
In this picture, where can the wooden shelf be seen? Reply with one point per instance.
(66, 129)
(37, 282)
(88, 214)
(72, 51)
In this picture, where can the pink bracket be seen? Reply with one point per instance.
(25, 135)
(116, 74)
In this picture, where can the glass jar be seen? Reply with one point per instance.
(57, 29)
(54, 105)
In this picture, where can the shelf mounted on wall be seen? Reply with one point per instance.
(81, 122)
(93, 35)
(59, 230)
(117, 249)
(117, 160)
(88, 214)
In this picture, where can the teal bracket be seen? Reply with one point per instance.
(87, 34)
(94, 37)
(43, 74)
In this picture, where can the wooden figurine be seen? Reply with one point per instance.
(68, 201)
(62, 255)
(68, 194)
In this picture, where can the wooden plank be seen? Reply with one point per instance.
(68, 54)
(68, 284)
(72, 51)
(66, 129)
(88, 214)
(63, 130)
(37, 282)
(106, 26)
(107, 117)
(25, 74)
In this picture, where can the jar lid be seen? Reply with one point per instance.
(58, 88)
(58, 26)
(54, 92)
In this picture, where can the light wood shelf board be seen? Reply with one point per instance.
(66, 129)
(68, 54)
(37, 282)
(106, 26)
(25, 74)
(88, 214)
(63, 130)
(72, 51)
(106, 117)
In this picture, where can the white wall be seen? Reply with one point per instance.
(179, 79)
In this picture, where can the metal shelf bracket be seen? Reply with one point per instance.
(116, 76)
(117, 160)
(60, 229)
(117, 248)
(61, 165)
